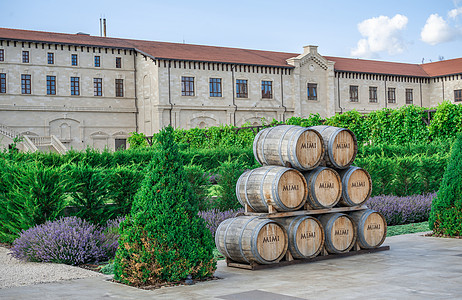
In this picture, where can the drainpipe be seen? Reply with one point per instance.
(234, 92)
(421, 101)
(282, 99)
(338, 92)
(442, 85)
(136, 97)
(386, 93)
(169, 93)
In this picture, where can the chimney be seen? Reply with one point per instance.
(104, 27)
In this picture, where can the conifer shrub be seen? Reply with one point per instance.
(163, 239)
(229, 173)
(446, 214)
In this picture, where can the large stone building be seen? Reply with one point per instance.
(94, 91)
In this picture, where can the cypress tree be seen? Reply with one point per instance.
(163, 239)
(446, 213)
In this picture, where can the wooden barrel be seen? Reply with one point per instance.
(356, 186)
(341, 146)
(340, 232)
(306, 235)
(371, 228)
(251, 239)
(289, 146)
(324, 187)
(283, 188)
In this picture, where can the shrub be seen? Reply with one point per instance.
(69, 240)
(446, 213)
(229, 172)
(123, 183)
(30, 194)
(402, 210)
(137, 140)
(90, 192)
(164, 239)
(200, 182)
(214, 217)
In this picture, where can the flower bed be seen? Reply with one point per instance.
(402, 210)
(214, 217)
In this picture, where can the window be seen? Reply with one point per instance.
(187, 86)
(2, 55)
(120, 144)
(241, 88)
(74, 60)
(391, 95)
(409, 96)
(267, 89)
(373, 94)
(97, 61)
(312, 91)
(51, 85)
(118, 62)
(3, 83)
(215, 87)
(457, 95)
(75, 86)
(25, 56)
(119, 86)
(98, 86)
(25, 84)
(353, 93)
(51, 58)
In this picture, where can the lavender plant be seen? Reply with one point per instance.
(69, 240)
(214, 217)
(402, 210)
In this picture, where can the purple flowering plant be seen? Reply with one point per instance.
(68, 240)
(402, 210)
(214, 217)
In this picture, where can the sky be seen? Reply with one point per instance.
(412, 31)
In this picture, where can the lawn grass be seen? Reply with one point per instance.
(407, 228)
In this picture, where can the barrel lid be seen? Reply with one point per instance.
(359, 185)
(343, 148)
(327, 187)
(309, 149)
(375, 228)
(309, 236)
(342, 232)
(271, 241)
(291, 189)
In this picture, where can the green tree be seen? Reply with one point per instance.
(163, 239)
(446, 213)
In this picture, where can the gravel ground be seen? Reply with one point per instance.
(14, 272)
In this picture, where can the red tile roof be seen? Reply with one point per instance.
(164, 50)
(445, 67)
(377, 67)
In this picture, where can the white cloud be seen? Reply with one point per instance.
(381, 34)
(455, 12)
(437, 30)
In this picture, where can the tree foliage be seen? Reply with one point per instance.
(446, 213)
(164, 239)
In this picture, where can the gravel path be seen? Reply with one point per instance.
(14, 272)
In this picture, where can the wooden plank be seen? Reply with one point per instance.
(252, 267)
(305, 212)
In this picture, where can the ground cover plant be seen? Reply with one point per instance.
(446, 211)
(407, 228)
(163, 239)
(69, 240)
(402, 210)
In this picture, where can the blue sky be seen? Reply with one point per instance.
(405, 30)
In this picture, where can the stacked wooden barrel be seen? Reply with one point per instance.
(306, 199)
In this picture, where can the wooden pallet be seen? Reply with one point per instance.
(273, 213)
(289, 260)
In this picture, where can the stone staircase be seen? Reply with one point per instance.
(34, 143)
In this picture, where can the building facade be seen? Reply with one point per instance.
(94, 91)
